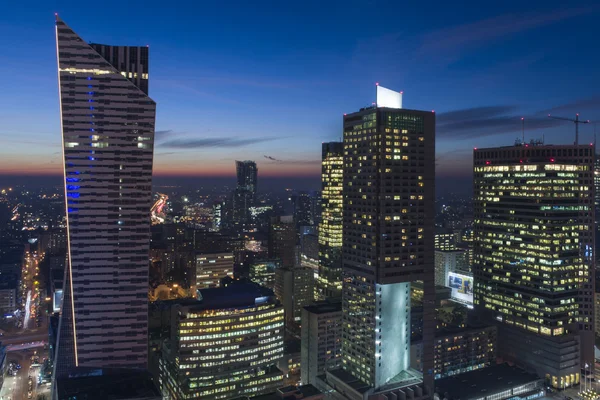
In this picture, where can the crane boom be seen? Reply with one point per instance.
(577, 121)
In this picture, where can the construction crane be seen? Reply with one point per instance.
(577, 121)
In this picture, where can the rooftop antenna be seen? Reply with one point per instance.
(523, 128)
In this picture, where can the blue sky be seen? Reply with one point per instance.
(241, 80)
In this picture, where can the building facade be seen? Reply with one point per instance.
(211, 268)
(321, 340)
(107, 122)
(533, 261)
(295, 288)
(329, 283)
(388, 219)
(263, 272)
(282, 241)
(224, 345)
(450, 261)
(244, 195)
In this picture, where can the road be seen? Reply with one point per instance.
(27, 311)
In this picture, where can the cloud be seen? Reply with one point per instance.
(488, 121)
(576, 106)
(455, 39)
(161, 134)
(213, 142)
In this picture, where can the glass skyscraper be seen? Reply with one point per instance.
(534, 254)
(107, 122)
(329, 283)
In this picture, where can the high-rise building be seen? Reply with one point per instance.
(597, 186)
(244, 195)
(321, 340)
(282, 241)
(107, 122)
(211, 268)
(247, 175)
(295, 288)
(303, 209)
(533, 255)
(388, 215)
(224, 345)
(330, 229)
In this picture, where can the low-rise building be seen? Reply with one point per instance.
(211, 268)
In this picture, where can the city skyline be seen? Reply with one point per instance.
(481, 72)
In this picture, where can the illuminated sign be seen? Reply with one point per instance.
(462, 287)
(58, 296)
(388, 98)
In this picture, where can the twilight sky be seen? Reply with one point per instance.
(249, 79)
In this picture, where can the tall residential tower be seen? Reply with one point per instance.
(330, 229)
(388, 214)
(533, 255)
(107, 122)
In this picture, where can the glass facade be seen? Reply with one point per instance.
(533, 252)
(107, 122)
(329, 283)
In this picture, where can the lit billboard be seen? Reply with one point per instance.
(388, 98)
(58, 296)
(462, 287)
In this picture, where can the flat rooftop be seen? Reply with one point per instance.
(483, 382)
(324, 308)
(108, 385)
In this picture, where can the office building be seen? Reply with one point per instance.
(9, 285)
(282, 241)
(262, 272)
(533, 255)
(329, 283)
(499, 382)
(461, 350)
(227, 344)
(114, 384)
(388, 217)
(295, 288)
(211, 268)
(597, 186)
(450, 261)
(321, 340)
(445, 239)
(107, 122)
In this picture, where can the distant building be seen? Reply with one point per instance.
(227, 345)
(330, 229)
(498, 382)
(449, 261)
(533, 261)
(294, 287)
(244, 195)
(303, 209)
(263, 272)
(289, 364)
(321, 339)
(211, 268)
(310, 246)
(217, 216)
(8, 293)
(445, 239)
(282, 241)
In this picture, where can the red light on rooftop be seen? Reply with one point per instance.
(552, 160)
(487, 163)
(402, 92)
(577, 114)
(345, 114)
(474, 148)
(521, 161)
(376, 83)
(522, 118)
(432, 111)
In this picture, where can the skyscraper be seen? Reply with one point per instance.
(330, 229)
(388, 219)
(244, 195)
(282, 241)
(107, 122)
(533, 254)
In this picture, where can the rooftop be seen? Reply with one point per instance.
(297, 392)
(101, 384)
(483, 382)
(324, 308)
